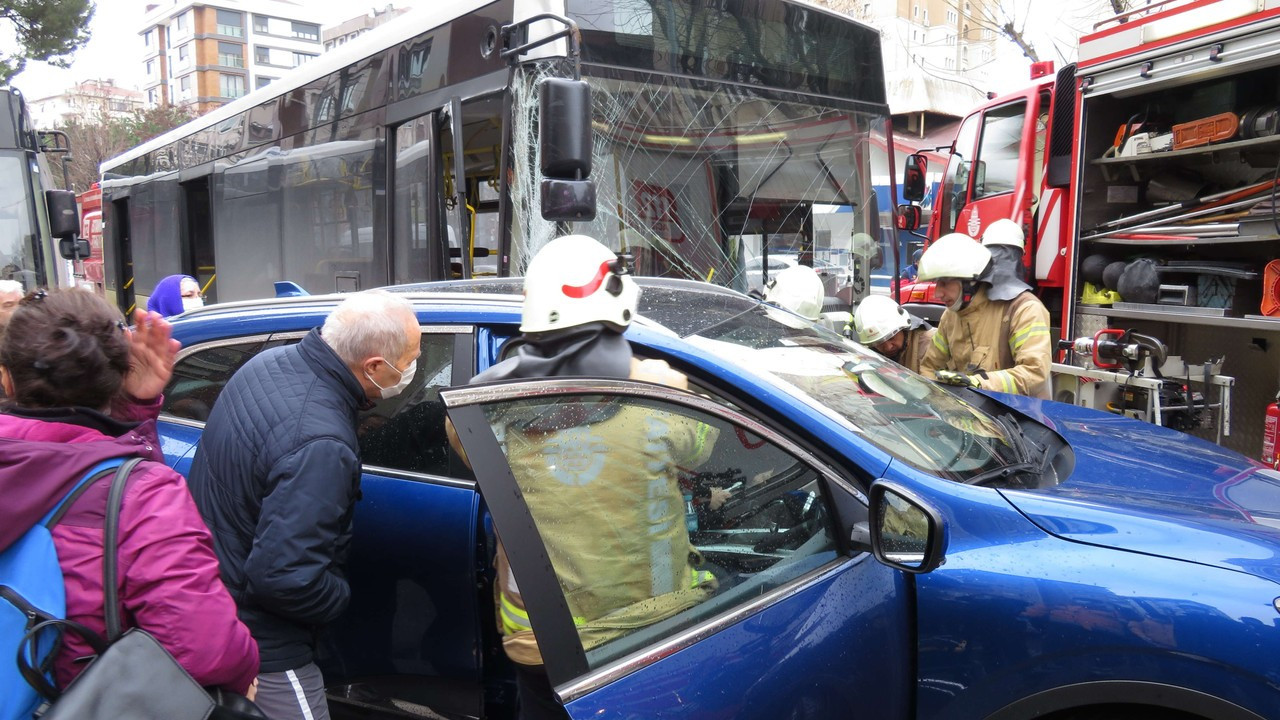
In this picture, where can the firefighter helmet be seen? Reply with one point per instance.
(879, 318)
(798, 289)
(955, 255)
(1004, 232)
(574, 280)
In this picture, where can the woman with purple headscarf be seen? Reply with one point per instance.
(175, 295)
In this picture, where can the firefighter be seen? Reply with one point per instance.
(579, 299)
(1006, 241)
(994, 333)
(798, 289)
(891, 331)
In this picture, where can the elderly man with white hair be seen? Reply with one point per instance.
(277, 475)
(10, 294)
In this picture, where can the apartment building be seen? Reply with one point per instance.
(349, 30)
(90, 99)
(204, 54)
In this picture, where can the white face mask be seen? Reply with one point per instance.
(406, 377)
(191, 303)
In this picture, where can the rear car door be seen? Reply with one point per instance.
(411, 638)
(678, 557)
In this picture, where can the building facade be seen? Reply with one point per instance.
(204, 55)
(349, 30)
(89, 100)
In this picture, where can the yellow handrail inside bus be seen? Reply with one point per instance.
(205, 289)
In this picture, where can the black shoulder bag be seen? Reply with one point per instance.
(132, 675)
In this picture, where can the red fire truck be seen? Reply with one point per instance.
(91, 229)
(1151, 165)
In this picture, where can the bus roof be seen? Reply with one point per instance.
(406, 27)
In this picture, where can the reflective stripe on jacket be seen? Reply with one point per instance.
(1008, 341)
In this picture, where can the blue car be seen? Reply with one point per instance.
(882, 547)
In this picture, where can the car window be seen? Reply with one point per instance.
(657, 517)
(199, 377)
(404, 433)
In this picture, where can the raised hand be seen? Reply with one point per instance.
(152, 351)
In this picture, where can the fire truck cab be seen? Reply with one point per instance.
(1155, 157)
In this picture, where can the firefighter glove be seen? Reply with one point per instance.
(950, 377)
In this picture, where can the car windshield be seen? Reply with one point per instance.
(907, 416)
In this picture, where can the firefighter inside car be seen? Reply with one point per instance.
(994, 333)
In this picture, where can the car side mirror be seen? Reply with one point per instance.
(913, 178)
(906, 533)
(908, 217)
(64, 217)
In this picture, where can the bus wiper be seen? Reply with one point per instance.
(1027, 450)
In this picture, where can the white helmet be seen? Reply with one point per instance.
(574, 280)
(1004, 232)
(955, 255)
(798, 289)
(879, 318)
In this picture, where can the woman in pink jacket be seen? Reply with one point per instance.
(82, 389)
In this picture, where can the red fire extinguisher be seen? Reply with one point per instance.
(1271, 435)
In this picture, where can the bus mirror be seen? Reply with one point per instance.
(74, 248)
(908, 217)
(64, 220)
(913, 178)
(565, 128)
(568, 200)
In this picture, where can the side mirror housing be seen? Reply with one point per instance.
(64, 217)
(565, 128)
(74, 248)
(908, 217)
(568, 200)
(906, 533)
(913, 178)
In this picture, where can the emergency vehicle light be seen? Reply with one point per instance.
(1196, 18)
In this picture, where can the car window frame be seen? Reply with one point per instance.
(464, 352)
(558, 641)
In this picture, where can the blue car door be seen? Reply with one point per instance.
(413, 633)
(666, 572)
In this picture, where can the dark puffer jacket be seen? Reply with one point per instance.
(276, 478)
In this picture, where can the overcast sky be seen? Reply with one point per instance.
(115, 48)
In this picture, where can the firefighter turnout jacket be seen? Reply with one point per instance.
(1006, 344)
(915, 347)
(606, 498)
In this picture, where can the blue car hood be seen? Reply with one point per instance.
(1149, 489)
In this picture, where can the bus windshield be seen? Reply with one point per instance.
(17, 229)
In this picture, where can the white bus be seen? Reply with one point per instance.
(415, 152)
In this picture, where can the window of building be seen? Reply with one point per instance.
(260, 23)
(306, 31)
(185, 83)
(230, 23)
(184, 51)
(951, 17)
(261, 82)
(146, 38)
(926, 17)
(915, 11)
(951, 63)
(261, 55)
(181, 22)
(151, 67)
(231, 86)
(302, 58)
(151, 96)
(118, 105)
(230, 54)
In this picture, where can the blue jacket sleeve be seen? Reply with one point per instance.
(293, 568)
